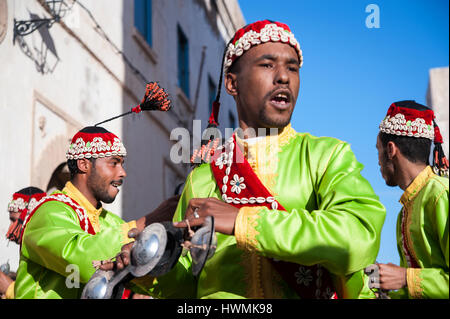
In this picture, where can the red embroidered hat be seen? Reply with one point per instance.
(411, 119)
(257, 33)
(95, 142)
(23, 202)
(408, 118)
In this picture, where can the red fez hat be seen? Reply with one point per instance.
(23, 202)
(411, 119)
(257, 33)
(95, 142)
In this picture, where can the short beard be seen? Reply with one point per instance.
(94, 182)
(269, 122)
(389, 179)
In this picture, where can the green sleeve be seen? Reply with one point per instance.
(342, 234)
(433, 282)
(53, 239)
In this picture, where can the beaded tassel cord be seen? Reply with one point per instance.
(155, 99)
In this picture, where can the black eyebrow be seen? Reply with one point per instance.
(266, 57)
(117, 159)
(274, 58)
(293, 61)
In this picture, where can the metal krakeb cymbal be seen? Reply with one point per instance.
(155, 252)
(152, 247)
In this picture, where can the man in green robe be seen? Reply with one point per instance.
(294, 217)
(70, 229)
(22, 203)
(403, 147)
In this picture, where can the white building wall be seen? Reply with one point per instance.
(438, 100)
(85, 81)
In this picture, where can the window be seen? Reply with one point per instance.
(211, 93)
(143, 18)
(183, 62)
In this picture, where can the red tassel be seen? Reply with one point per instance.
(213, 118)
(437, 135)
(136, 109)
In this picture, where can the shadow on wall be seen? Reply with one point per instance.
(39, 48)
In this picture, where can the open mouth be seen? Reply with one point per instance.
(281, 99)
(116, 184)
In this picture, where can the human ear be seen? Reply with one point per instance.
(231, 83)
(84, 165)
(391, 150)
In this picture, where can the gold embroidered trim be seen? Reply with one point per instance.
(286, 135)
(408, 212)
(261, 279)
(92, 212)
(9, 294)
(125, 228)
(406, 200)
(94, 219)
(263, 156)
(270, 280)
(245, 228)
(250, 261)
(414, 281)
(417, 184)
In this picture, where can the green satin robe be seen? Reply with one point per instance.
(333, 218)
(425, 208)
(56, 253)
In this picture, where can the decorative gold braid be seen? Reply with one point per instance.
(245, 228)
(408, 240)
(263, 156)
(250, 262)
(125, 228)
(94, 219)
(270, 280)
(262, 280)
(407, 200)
(414, 281)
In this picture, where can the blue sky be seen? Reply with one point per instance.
(351, 73)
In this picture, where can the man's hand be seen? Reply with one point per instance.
(392, 277)
(5, 281)
(123, 258)
(164, 212)
(224, 214)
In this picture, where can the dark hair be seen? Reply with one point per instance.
(72, 163)
(73, 167)
(415, 149)
(30, 191)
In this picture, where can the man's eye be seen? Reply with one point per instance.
(266, 65)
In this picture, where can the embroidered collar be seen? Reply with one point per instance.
(417, 184)
(280, 139)
(93, 213)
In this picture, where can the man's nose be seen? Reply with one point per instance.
(122, 172)
(281, 76)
